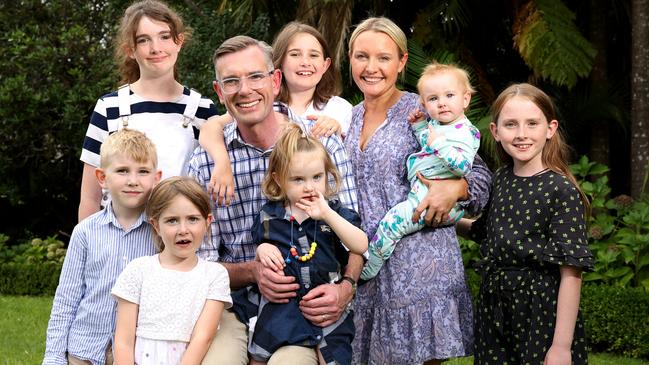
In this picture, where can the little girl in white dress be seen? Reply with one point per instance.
(170, 304)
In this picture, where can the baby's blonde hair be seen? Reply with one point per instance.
(128, 143)
(436, 68)
(292, 141)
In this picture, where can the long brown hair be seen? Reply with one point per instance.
(129, 70)
(292, 141)
(328, 86)
(556, 152)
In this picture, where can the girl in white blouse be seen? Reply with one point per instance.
(170, 304)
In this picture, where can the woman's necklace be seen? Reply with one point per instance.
(293, 250)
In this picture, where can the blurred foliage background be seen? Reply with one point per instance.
(56, 60)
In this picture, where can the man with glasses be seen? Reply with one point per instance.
(247, 84)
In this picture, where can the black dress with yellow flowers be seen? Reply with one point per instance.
(533, 226)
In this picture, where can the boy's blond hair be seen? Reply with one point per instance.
(436, 68)
(129, 143)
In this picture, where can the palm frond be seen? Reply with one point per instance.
(418, 59)
(244, 11)
(453, 14)
(548, 40)
(334, 23)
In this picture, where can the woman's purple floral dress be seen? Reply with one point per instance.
(418, 307)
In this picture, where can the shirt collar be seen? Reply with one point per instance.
(107, 216)
(275, 209)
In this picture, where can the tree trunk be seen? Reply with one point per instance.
(639, 95)
(600, 131)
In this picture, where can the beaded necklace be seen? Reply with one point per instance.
(293, 250)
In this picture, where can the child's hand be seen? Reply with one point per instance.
(415, 116)
(221, 187)
(558, 355)
(316, 207)
(432, 135)
(324, 126)
(270, 257)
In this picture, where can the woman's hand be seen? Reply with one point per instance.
(270, 256)
(221, 187)
(324, 126)
(317, 208)
(440, 199)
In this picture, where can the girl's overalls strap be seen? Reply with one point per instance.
(189, 114)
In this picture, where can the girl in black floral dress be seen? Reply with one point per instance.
(533, 240)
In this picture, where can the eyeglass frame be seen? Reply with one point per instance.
(265, 74)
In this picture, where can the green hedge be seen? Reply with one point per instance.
(29, 278)
(616, 319)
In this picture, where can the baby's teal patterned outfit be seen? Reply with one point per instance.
(449, 156)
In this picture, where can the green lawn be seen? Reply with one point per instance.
(23, 323)
(593, 359)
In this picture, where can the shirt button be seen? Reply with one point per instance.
(125, 258)
(300, 229)
(306, 286)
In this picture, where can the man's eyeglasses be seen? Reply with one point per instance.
(255, 81)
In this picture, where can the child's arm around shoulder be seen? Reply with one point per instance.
(353, 237)
(221, 186)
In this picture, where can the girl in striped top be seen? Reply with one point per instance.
(151, 99)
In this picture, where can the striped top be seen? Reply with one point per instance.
(83, 313)
(231, 240)
(162, 122)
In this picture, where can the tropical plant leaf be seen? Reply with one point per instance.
(453, 14)
(550, 43)
(334, 23)
(418, 59)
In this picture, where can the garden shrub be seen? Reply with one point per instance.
(30, 268)
(29, 278)
(616, 319)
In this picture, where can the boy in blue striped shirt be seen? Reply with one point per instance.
(82, 321)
